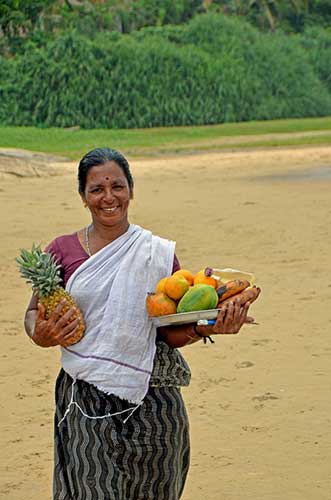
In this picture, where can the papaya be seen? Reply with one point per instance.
(176, 286)
(187, 275)
(159, 304)
(160, 285)
(198, 298)
(203, 279)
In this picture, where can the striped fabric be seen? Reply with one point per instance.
(146, 458)
(170, 368)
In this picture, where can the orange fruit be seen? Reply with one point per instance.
(176, 286)
(187, 275)
(201, 278)
(161, 284)
(159, 304)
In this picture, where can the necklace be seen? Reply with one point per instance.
(87, 229)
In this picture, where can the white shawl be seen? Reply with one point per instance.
(117, 351)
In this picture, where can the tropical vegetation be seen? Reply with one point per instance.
(147, 63)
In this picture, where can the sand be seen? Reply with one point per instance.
(259, 402)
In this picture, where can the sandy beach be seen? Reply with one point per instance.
(259, 402)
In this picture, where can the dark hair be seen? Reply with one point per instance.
(100, 156)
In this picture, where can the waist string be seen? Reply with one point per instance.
(74, 403)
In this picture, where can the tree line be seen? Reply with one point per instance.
(20, 19)
(213, 65)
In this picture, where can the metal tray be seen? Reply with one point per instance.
(182, 318)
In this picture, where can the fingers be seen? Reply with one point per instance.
(61, 334)
(66, 340)
(231, 317)
(57, 329)
(41, 311)
(56, 316)
(65, 319)
(68, 329)
(231, 311)
(220, 318)
(232, 321)
(56, 313)
(59, 320)
(243, 313)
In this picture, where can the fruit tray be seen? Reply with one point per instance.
(182, 318)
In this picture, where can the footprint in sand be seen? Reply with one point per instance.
(265, 397)
(244, 364)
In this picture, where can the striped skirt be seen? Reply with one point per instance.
(146, 458)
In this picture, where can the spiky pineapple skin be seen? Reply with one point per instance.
(51, 302)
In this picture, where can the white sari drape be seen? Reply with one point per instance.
(117, 351)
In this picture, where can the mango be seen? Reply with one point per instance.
(198, 298)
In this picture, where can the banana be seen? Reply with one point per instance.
(231, 288)
(250, 294)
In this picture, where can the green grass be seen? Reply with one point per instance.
(148, 142)
(324, 139)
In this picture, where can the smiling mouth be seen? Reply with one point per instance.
(110, 210)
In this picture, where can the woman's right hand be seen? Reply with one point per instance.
(57, 329)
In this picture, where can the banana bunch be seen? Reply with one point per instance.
(233, 283)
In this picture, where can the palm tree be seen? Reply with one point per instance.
(268, 11)
(261, 9)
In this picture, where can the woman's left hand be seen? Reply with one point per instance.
(229, 320)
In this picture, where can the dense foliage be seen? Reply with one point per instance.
(214, 68)
(290, 15)
(40, 18)
(317, 43)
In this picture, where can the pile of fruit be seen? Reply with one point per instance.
(185, 292)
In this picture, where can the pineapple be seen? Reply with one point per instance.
(41, 271)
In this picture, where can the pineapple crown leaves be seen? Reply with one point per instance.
(39, 269)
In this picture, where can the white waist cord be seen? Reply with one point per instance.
(72, 402)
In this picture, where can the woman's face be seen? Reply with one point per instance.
(107, 194)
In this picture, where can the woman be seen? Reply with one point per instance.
(121, 428)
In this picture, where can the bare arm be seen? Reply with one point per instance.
(31, 315)
(229, 321)
(178, 336)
